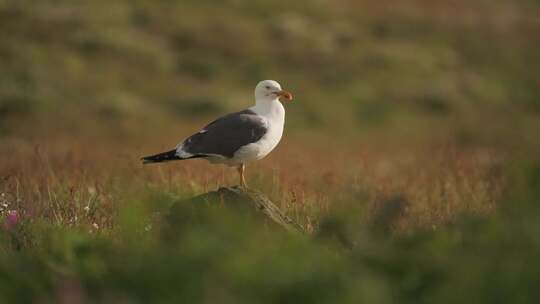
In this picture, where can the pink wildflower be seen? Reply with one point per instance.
(11, 220)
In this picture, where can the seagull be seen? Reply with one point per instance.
(236, 138)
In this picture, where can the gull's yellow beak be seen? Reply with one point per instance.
(284, 94)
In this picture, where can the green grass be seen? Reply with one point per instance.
(226, 257)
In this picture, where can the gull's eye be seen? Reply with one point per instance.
(268, 87)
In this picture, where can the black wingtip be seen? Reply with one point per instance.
(160, 157)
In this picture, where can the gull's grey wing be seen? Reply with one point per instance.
(225, 135)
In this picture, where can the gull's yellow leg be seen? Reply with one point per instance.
(241, 170)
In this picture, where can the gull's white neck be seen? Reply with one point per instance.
(269, 108)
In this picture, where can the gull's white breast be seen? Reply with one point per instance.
(274, 117)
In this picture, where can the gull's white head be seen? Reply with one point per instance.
(270, 90)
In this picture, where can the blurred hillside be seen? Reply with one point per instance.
(463, 69)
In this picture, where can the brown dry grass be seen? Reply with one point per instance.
(80, 182)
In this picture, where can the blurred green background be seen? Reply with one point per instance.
(356, 67)
(363, 73)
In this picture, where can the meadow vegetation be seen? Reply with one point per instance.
(410, 155)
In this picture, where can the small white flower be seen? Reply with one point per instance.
(95, 225)
(86, 208)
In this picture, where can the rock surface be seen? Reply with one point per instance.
(252, 203)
